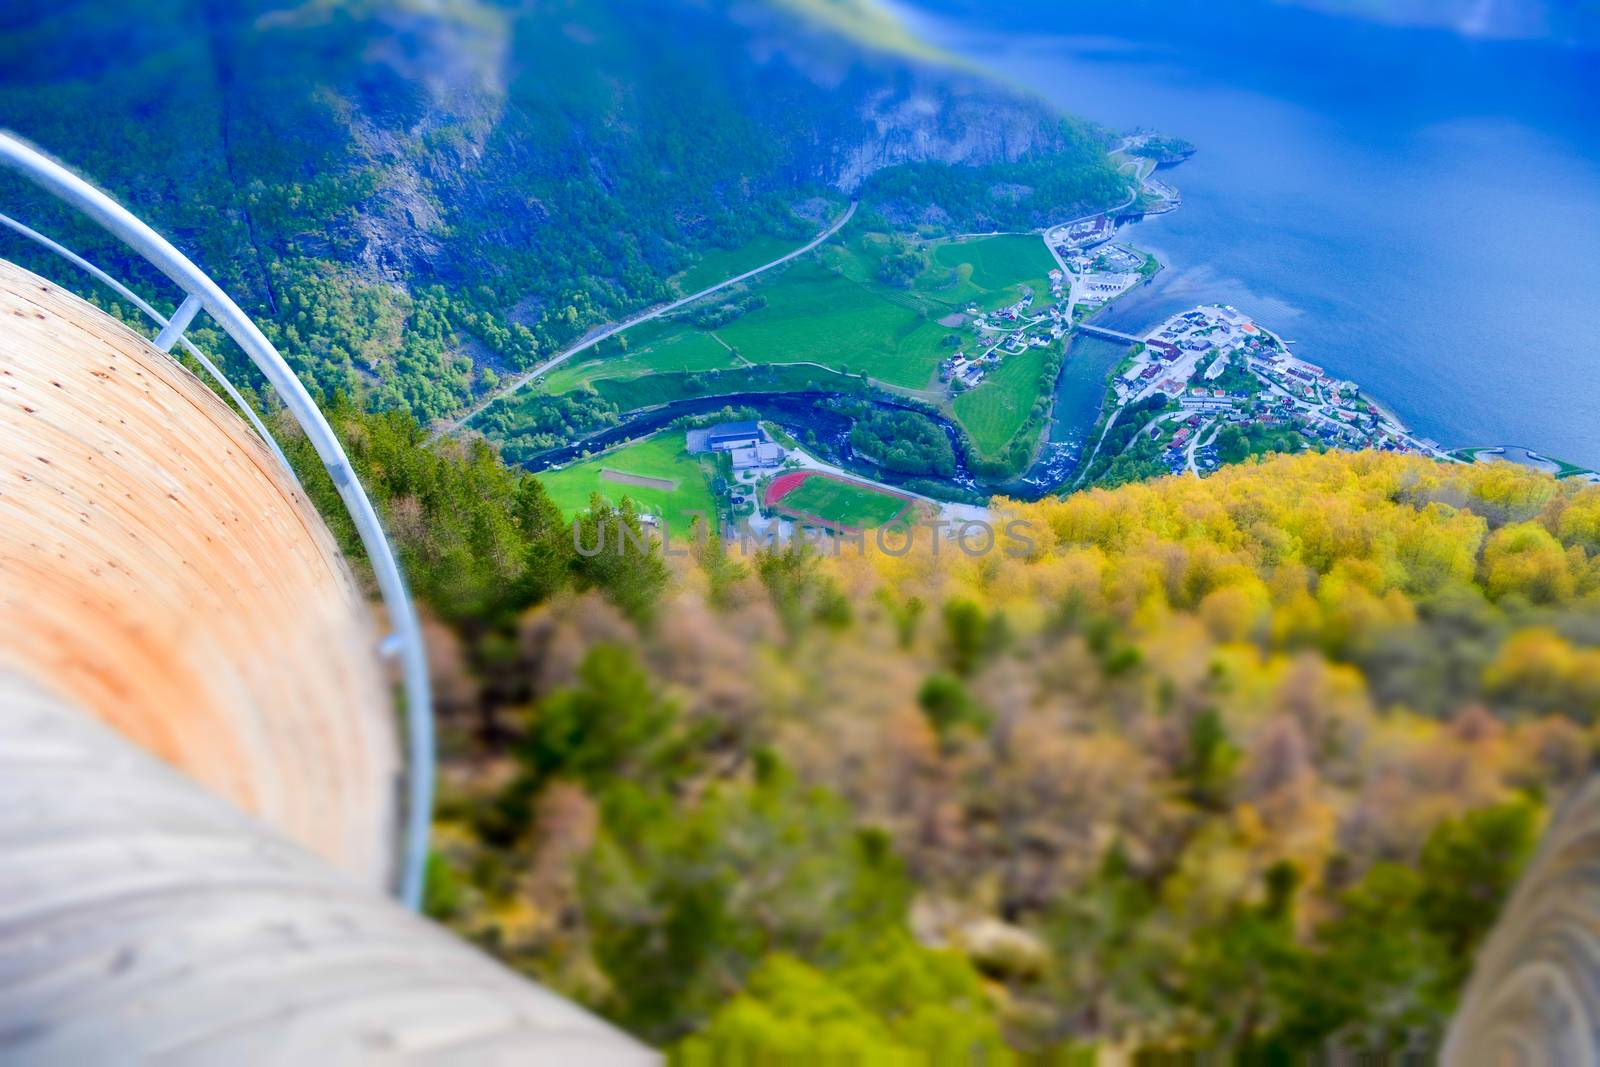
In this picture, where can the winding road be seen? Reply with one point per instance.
(593, 338)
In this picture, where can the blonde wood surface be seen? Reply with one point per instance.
(144, 920)
(1534, 996)
(158, 568)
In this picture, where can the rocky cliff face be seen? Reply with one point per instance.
(536, 168)
(933, 123)
(458, 113)
(370, 133)
(888, 107)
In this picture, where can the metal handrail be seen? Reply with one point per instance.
(202, 293)
(160, 320)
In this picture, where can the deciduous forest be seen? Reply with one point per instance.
(1244, 764)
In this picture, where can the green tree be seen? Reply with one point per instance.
(1112, 962)
(948, 705)
(682, 901)
(610, 726)
(895, 1002)
(1374, 977)
(1468, 867)
(800, 593)
(1232, 445)
(613, 553)
(1209, 760)
(971, 635)
(1234, 969)
(1388, 969)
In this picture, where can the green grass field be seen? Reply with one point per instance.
(720, 264)
(629, 394)
(661, 456)
(816, 316)
(990, 270)
(652, 349)
(999, 262)
(997, 408)
(830, 310)
(849, 504)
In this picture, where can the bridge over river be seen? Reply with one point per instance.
(1108, 334)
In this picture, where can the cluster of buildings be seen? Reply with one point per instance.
(1100, 287)
(1102, 276)
(1188, 357)
(985, 321)
(1205, 341)
(1085, 233)
(747, 444)
(968, 372)
(1004, 332)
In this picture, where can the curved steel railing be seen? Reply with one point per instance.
(201, 293)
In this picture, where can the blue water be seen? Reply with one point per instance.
(1419, 211)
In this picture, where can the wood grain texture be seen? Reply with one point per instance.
(1534, 996)
(158, 568)
(145, 920)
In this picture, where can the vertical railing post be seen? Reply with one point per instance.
(173, 330)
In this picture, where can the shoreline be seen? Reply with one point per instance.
(1385, 425)
(1383, 409)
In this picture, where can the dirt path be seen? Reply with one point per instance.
(638, 481)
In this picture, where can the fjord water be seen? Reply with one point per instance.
(1418, 210)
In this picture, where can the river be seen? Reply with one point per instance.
(809, 416)
(1418, 210)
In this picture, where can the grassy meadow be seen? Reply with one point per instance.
(660, 457)
(817, 316)
(835, 314)
(833, 310)
(652, 348)
(662, 387)
(721, 264)
(988, 271)
(999, 406)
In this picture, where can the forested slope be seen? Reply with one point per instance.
(1241, 764)
(411, 196)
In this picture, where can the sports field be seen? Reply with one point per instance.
(650, 465)
(999, 406)
(829, 500)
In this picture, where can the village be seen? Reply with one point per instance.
(997, 334)
(1081, 284)
(1213, 367)
(1206, 387)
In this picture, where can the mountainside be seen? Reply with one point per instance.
(1243, 765)
(1238, 768)
(415, 194)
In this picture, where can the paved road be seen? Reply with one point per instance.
(1194, 445)
(594, 337)
(1083, 468)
